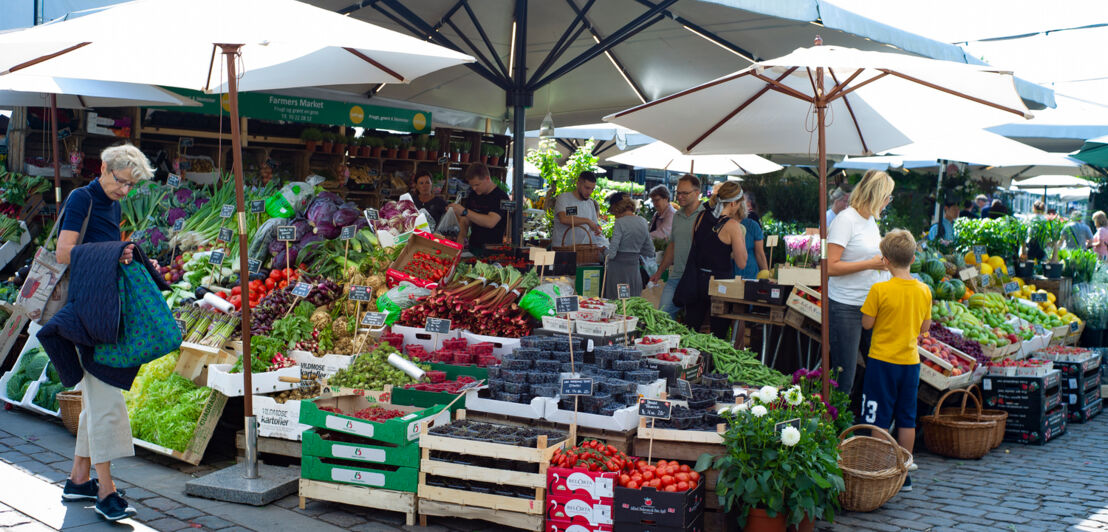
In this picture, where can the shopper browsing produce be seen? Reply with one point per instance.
(718, 238)
(1100, 239)
(854, 264)
(662, 223)
(424, 198)
(481, 216)
(896, 311)
(1076, 234)
(585, 221)
(943, 231)
(680, 240)
(840, 199)
(630, 244)
(755, 250)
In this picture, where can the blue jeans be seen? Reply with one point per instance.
(847, 337)
(666, 303)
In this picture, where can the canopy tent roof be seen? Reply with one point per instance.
(1053, 181)
(660, 47)
(1094, 151)
(21, 90)
(662, 156)
(610, 138)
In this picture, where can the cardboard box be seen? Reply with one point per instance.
(1084, 414)
(421, 241)
(1052, 425)
(697, 525)
(323, 444)
(1077, 401)
(363, 474)
(767, 291)
(278, 420)
(536, 409)
(647, 506)
(578, 511)
(397, 431)
(798, 301)
(387, 240)
(560, 525)
(313, 367)
(798, 276)
(591, 486)
(231, 384)
(12, 328)
(1022, 394)
(727, 288)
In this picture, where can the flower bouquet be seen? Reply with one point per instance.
(802, 251)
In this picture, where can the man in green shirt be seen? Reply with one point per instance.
(680, 239)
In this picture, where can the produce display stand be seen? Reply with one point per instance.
(767, 314)
(1036, 412)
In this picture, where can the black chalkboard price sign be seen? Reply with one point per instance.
(1038, 297)
(257, 206)
(372, 215)
(225, 234)
(655, 408)
(359, 293)
(374, 319)
(253, 265)
(286, 233)
(215, 258)
(347, 232)
(507, 205)
(1011, 286)
(576, 386)
(623, 291)
(571, 210)
(566, 304)
(227, 210)
(174, 180)
(179, 224)
(302, 289)
(437, 325)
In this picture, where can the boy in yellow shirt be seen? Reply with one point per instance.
(898, 310)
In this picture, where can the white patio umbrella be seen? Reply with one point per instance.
(279, 44)
(662, 156)
(877, 101)
(1060, 183)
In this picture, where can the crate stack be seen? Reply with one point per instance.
(358, 461)
(1036, 412)
(582, 499)
(649, 510)
(1081, 386)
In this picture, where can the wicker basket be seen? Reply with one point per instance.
(874, 468)
(959, 435)
(70, 405)
(1000, 416)
(586, 253)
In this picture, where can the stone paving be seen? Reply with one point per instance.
(1060, 486)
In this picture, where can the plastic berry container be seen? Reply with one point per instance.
(715, 380)
(485, 361)
(511, 375)
(481, 348)
(463, 359)
(545, 390)
(455, 344)
(626, 365)
(436, 376)
(517, 387)
(528, 353)
(548, 366)
(508, 397)
(514, 363)
(532, 341)
(494, 372)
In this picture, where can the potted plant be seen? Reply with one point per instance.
(391, 145)
(311, 137)
(495, 153)
(363, 146)
(456, 151)
(420, 144)
(376, 145)
(339, 146)
(781, 461)
(405, 150)
(433, 148)
(464, 148)
(327, 141)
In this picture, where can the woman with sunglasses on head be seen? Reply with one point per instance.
(718, 239)
(853, 266)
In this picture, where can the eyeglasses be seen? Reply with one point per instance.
(122, 183)
(685, 192)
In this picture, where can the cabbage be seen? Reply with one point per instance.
(321, 210)
(15, 384)
(406, 206)
(389, 210)
(175, 213)
(345, 216)
(182, 196)
(276, 246)
(34, 361)
(282, 261)
(303, 228)
(199, 202)
(327, 195)
(328, 230)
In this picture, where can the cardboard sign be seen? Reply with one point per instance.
(286, 233)
(576, 386)
(174, 180)
(684, 388)
(507, 205)
(984, 280)
(360, 293)
(967, 274)
(771, 241)
(225, 234)
(179, 224)
(794, 423)
(216, 258)
(655, 408)
(347, 232)
(437, 325)
(1011, 286)
(253, 265)
(1038, 297)
(302, 289)
(227, 210)
(571, 210)
(371, 215)
(623, 291)
(374, 319)
(566, 304)
(257, 206)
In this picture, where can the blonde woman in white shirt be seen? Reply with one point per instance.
(854, 265)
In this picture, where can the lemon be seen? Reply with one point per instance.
(995, 262)
(1051, 297)
(764, 274)
(1033, 288)
(986, 269)
(1062, 311)
(1019, 281)
(971, 259)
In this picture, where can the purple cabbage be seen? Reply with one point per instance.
(182, 195)
(200, 201)
(303, 228)
(327, 230)
(321, 210)
(389, 210)
(174, 214)
(308, 239)
(283, 260)
(406, 206)
(327, 195)
(275, 247)
(345, 216)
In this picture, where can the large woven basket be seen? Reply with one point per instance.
(70, 405)
(874, 468)
(586, 253)
(1000, 416)
(959, 435)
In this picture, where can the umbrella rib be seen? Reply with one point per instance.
(211, 65)
(834, 90)
(849, 109)
(741, 107)
(779, 87)
(371, 61)
(43, 58)
(844, 92)
(956, 93)
(683, 93)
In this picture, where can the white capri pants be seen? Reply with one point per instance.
(104, 431)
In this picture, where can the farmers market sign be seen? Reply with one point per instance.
(309, 110)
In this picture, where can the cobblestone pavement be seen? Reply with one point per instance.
(1060, 486)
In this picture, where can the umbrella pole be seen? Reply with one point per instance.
(251, 462)
(824, 308)
(938, 190)
(54, 149)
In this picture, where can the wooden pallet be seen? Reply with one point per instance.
(393, 501)
(761, 312)
(622, 440)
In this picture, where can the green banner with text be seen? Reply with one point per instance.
(309, 110)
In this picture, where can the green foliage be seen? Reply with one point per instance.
(563, 178)
(163, 406)
(773, 226)
(789, 198)
(1080, 264)
(1001, 236)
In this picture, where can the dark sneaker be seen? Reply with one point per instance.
(80, 492)
(907, 484)
(114, 508)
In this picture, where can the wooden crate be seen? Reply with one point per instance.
(205, 428)
(683, 445)
(741, 310)
(380, 499)
(621, 440)
(500, 517)
(194, 359)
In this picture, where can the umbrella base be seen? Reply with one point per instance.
(229, 485)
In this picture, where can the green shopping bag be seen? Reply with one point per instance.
(148, 328)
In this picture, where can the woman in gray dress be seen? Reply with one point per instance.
(630, 242)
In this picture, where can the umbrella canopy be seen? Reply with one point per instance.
(601, 131)
(1053, 181)
(18, 90)
(662, 156)
(1094, 152)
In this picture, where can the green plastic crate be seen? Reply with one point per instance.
(452, 371)
(370, 451)
(369, 475)
(403, 396)
(397, 431)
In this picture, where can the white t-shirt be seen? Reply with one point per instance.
(585, 209)
(861, 240)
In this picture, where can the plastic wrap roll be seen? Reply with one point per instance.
(401, 364)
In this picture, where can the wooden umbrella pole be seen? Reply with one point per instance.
(54, 149)
(825, 314)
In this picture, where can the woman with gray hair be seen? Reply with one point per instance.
(104, 431)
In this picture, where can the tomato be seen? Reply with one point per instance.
(270, 283)
(694, 476)
(655, 483)
(236, 290)
(684, 468)
(283, 284)
(221, 294)
(648, 475)
(667, 480)
(661, 463)
(277, 275)
(681, 477)
(625, 478)
(633, 485)
(682, 486)
(671, 489)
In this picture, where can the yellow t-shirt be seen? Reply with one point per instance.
(900, 306)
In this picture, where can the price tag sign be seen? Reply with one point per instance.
(1038, 297)
(227, 210)
(257, 206)
(979, 250)
(771, 241)
(576, 386)
(286, 233)
(174, 180)
(225, 234)
(359, 293)
(216, 258)
(470, 386)
(443, 161)
(182, 327)
(566, 304)
(374, 319)
(187, 142)
(179, 224)
(507, 205)
(1011, 286)
(302, 289)
(684, 389)
(984, 280)
(64, 133)
(253, 265)
(794, 423)
(1074, 326)
(347, 232)
(655, 408)
(623, 291)
(967, 274)
(437, 325)
(371, 215)
(571, 210)
(1039, 329)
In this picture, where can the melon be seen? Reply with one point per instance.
(935, 269)
(959, 288)
(945, 290)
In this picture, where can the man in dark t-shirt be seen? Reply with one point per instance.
(480, 215)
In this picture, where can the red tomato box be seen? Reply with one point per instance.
(578, 512)
(588, 486)
(555, 525)
(658, 509)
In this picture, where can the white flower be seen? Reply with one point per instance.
(759, 411)
(723, 410)
(767, 394)
(793, 396)
(790, 436)
(739, 408)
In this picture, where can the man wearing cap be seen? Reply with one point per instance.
(1077, 234)
(840, 199)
